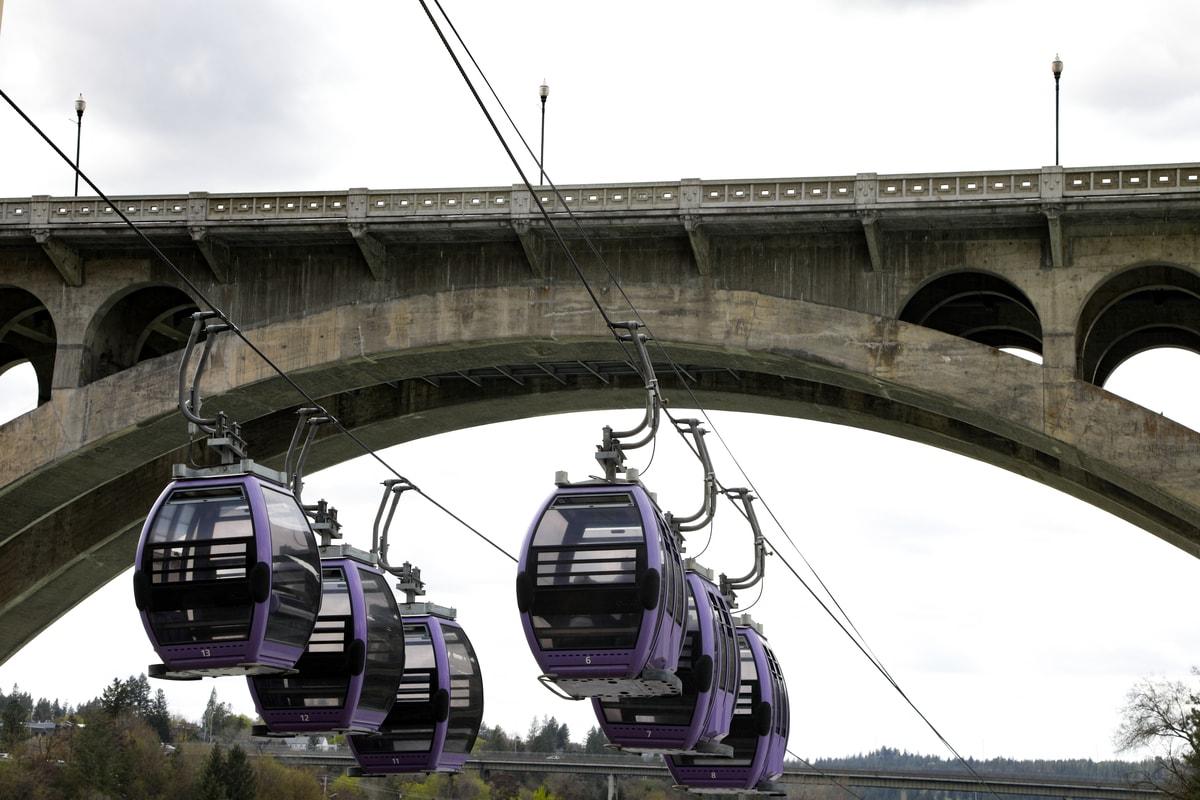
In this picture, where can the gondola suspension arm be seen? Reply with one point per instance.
(699, 520)
(223, 436)
(731, 585)
(323, 516)
(611, 451)
(410, 576)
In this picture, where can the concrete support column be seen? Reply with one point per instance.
(612, 787)
(71, 320)
(1058, 355)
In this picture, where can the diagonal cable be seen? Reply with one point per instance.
(309, 399)
(612, 277)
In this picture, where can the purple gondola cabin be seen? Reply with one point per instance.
(227, 576)
(347, 678)
(435, 719)
(601, 592)
(697, 719)
(758, 733)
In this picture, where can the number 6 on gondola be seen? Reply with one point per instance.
(601, 593)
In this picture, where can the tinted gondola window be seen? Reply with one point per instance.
(466, 693)
(743, 736)
(665, 709)
(198, 556)
(587, 554)
(673, 574)
(723, 623)
(294, 572)
(324, 677)
(410, 724)
(780, 693)
(385, 643)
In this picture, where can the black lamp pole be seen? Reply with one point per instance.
(543, 92)
(1057, 67)
(80, 105)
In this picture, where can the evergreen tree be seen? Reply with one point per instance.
(15, 712)
(42, 711)
(113, 698)
(595, 741)
(217, 718)
(240, 782)
(159, 716)
(137, 695)
(211, 785)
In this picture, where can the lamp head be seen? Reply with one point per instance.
(543, 90)
(1056, 66)
(80, 105)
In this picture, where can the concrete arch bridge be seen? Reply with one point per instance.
(872, 300)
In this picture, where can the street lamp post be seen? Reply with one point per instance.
(80, 105)
(543, 92)
(1056, 66)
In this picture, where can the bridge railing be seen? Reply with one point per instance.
(363, 205)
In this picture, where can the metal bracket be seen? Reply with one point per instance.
(427, 609)
(611, 450)
(224, 435)
(697, 521)
(410, 582)
(410, 576)
(729, 585)
(323, 516)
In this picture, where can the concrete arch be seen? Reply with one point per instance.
(27, 333)
(80, 473)
(1140, 308)
(978, 305)
(140, 322)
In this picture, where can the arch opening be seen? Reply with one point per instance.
(27, 334)
(978, 306)
(144, 324)
(18, 390)
(1141, 309)
(1162, 379)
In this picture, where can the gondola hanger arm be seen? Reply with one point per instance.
(393, 488)
(708, 509)
(322, 516)
(731, 585)
(223, 435)
(611, 451)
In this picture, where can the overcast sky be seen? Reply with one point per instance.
(1015, 616)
